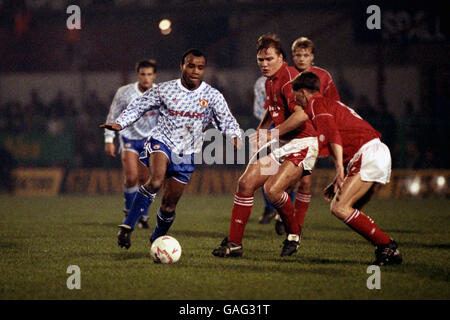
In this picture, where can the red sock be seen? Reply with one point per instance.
(302, 201)
(242, 208)
(366, 227)
(286, 210)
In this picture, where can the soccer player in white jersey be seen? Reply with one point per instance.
(259, 98)
(186, 106)
(132, 139)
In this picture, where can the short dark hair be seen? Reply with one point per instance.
(306, 80)
(146, 63)
(194, 52)
(268, 40)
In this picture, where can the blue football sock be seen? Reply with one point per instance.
(141, 203)
(163, 222)
(269, 206)
(129, 193)
(292, 196)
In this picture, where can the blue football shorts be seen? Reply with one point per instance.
(180, 167)
(136, 146)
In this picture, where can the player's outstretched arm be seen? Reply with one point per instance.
(328, 192)
(336, 152)
(265, 122)
(326, 124)
(150, 100)
(293, 122)
(223, 120)
(111, 126)
(336, 184)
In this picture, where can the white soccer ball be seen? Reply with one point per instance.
(166, 250)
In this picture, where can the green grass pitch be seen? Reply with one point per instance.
(41, 237)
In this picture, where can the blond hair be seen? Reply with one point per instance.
(303, 42)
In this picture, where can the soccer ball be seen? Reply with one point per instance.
(166, 250)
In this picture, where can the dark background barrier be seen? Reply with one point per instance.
(55, 181)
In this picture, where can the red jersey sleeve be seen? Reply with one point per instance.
(324, 122)
(331, 92)
(327, 86)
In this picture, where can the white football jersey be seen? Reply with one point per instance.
(259, 91)
(141, 128)
(183, 114)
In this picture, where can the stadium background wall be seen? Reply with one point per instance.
(53, 181)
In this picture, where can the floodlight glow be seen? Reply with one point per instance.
(165, 25)
(414, 186)
(440, 181)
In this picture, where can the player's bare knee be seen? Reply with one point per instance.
(131, 180)
(245, 186)
(272, 194)
(338, 209)
(154, 184)
(304, 187)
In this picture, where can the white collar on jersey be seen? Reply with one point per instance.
(136, 87)
(200, 87)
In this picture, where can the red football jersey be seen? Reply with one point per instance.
(339, 124)
(327, 87)
(281, 102)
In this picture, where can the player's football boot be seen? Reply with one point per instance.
(267, 216)
(124, 236)
(227, 249)
(142, 223)
(280, 227)
(387, 254)
(290, 245)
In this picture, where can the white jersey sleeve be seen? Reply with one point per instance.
(118, 104)
(223, 120)
(150, 100)
(142, 127)
(259, 91)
